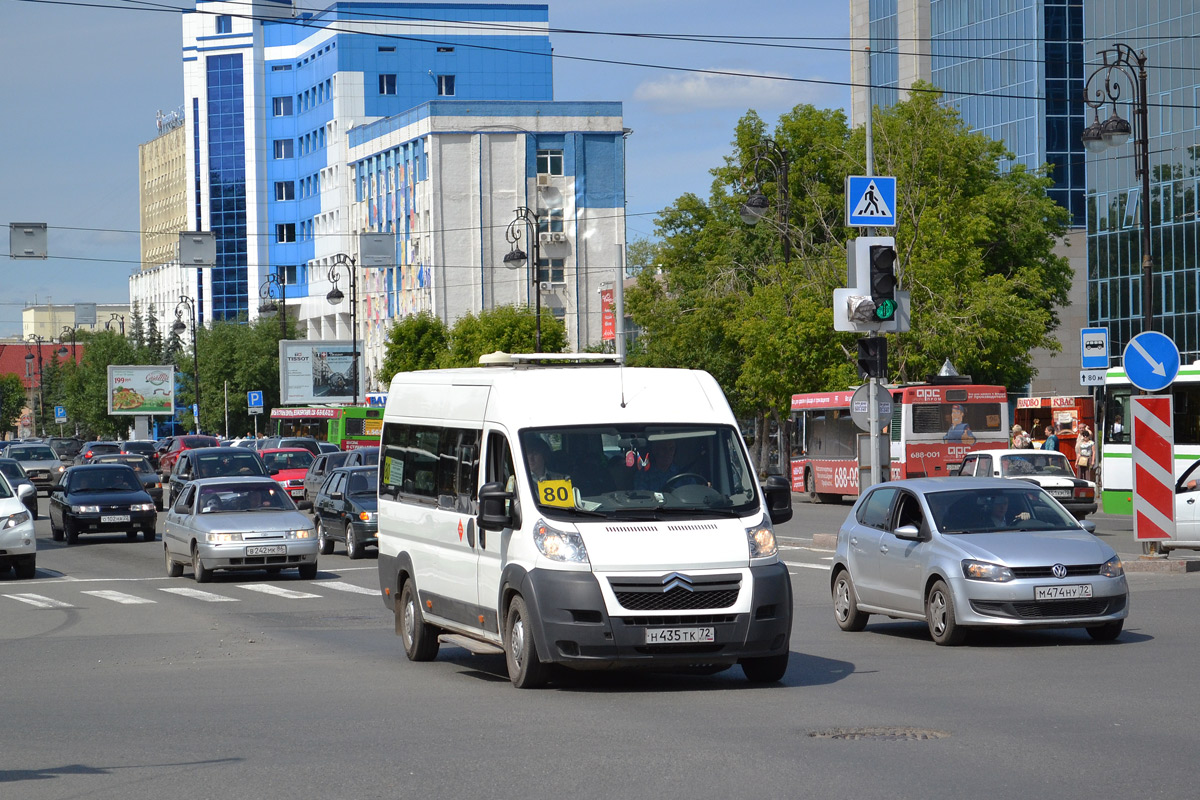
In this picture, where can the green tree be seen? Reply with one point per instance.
(510, 329)
(420, 341)
(86, 384)
(12, 400)
(137, 328)
(974, 244)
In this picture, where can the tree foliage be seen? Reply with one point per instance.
(422, 341)
(12, 400)
(974, 242)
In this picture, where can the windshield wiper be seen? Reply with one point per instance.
(578, 512)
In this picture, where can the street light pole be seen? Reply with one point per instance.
(1119, 66)
(335, 297)
(179, 327)
(768, 153)
(41, 410)
(516, 258)
(115, 317)
(67, 329)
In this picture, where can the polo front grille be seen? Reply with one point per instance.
(1073, 571)
(1057, 609)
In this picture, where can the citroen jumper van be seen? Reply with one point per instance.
(568, 510)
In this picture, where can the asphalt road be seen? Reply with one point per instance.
(123, 685)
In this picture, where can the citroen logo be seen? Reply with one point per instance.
(676, 581)
(1059, 571)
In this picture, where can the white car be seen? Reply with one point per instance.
(18, 544)
(1049, 469)
(1187, 512)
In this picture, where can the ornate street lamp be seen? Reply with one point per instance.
(62, 351)
(178, 328)
(335, 297)
(1121, 67)
(516, 259)
(267, 303)
(115, 318)
(769, 160)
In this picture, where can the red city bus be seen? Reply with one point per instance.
(932, 427)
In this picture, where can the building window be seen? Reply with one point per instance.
(224, 24)
(285, 190)
(387, 84)
(445, 85)
(552, 269)
(549, 162)
(550, 220)
(287, 274)
(285, 232)
(283, 148)
(282, 106)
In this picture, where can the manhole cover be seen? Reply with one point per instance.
(880, 734)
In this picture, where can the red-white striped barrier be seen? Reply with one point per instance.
(1153, 467)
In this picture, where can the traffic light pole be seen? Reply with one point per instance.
(873, 419)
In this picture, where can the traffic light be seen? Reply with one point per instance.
(872, 357)
(883, 281)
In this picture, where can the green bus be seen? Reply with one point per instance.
(349, 427)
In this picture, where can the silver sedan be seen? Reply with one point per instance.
(962, 553)
(237, 523)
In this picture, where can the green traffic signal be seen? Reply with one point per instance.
(885, 310)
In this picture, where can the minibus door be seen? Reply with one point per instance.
(492, 546)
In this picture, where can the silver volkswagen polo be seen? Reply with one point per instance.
(237, 523)
(963, 553)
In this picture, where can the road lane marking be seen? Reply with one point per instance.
(278, 591)
(38, 601)
(341, 586)
(196, 594)
(119, 597)
(825, 567)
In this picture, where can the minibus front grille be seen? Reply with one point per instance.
(677, 592)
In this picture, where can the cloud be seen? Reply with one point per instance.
(680, 94)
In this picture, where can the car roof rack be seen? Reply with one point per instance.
(502, 359)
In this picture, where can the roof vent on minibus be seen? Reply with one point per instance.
(502, 359)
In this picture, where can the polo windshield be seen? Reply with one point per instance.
(639, 471)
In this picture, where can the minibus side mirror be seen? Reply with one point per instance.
(494, 507)
(778, 495)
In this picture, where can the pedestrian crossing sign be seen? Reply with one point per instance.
(871, 201)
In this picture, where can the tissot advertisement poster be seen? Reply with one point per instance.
(316, 372)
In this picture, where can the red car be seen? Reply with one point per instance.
(288, 466)
(166, 462)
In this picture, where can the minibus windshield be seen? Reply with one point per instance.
(639, 471)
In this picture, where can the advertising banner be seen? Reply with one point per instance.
(317, 372)
(608, 324)
(141, 389)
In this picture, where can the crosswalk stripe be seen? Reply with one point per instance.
(39, 601)
(347, 587)
(196, 594)
(119, 597)
(278, 591)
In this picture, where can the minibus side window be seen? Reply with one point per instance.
(499, 462)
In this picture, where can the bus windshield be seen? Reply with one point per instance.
(639, 471)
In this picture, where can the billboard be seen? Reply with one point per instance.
(141, 389)
(317, 372)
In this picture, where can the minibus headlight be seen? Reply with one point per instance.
(761, 538)
(559, 545)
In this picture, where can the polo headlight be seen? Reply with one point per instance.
(222, 538)
(761, 539)
(85, 509)
(1112, 568)
(983, 571)
(13, 520)
(559, 545)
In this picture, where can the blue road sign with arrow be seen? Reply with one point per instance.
(871, 201)
(1151, 361)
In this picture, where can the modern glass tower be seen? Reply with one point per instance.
(1166, 32)
(1012, 68)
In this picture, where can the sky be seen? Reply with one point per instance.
(83, 85)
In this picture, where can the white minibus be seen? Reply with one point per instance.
(569, 510)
